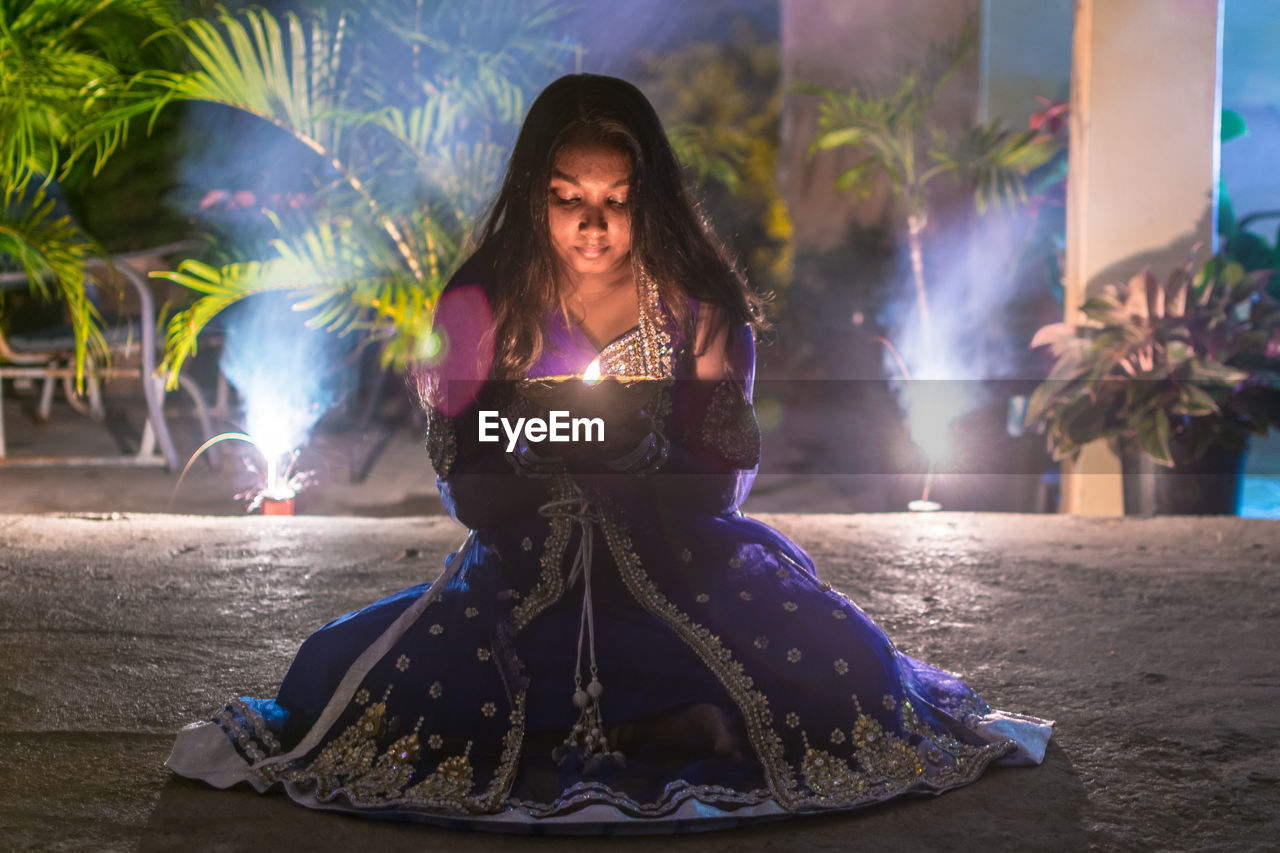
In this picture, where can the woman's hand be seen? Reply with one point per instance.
(529, 462)
(634, 445)
(647, 456)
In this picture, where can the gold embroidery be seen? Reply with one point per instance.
(646, 349)
(442, 443)
(402, 663)
(729, 426)
(754, 705)
(391, 772)
(831, 778)
(550, 584)
(448, 786)
(348, 756)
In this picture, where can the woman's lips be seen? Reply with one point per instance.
(592, 252)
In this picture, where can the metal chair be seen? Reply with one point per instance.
(51, 358)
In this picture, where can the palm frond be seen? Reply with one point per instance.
(710, 153)
(219, 288)
(50, 249)
(345, 276)
(58, 60)
(282, 74)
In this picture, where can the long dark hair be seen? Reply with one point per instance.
(669, 237)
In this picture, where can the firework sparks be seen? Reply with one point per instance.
(280, 482)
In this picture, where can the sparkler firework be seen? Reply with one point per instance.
(280, 482)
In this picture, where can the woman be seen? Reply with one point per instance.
(614, 643)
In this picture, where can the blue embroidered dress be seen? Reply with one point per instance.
(454, 702)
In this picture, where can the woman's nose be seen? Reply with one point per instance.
(593, 221)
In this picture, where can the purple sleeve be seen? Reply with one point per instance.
(714, 441)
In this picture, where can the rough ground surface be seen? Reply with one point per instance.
(1151, 642)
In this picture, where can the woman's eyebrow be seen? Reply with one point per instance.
(556, 173)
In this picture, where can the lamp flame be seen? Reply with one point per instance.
(591, 375)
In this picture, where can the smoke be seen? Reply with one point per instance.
(970, 272)
(287, 375)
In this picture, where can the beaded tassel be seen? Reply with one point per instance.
(587, 739)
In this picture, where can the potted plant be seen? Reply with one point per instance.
(1175, 377)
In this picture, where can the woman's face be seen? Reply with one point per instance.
(587, 210)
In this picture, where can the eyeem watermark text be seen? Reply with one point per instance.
(558, 426)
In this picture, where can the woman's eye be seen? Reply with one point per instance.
(619, 203)
(567, 202)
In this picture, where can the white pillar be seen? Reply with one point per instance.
(1144, 166)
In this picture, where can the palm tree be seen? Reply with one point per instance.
(900, 146)
(403, 110)
(60, 62)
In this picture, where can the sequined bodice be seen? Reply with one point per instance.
(624, 355)
(647, 349)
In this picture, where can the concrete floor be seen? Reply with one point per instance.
(1151, 642)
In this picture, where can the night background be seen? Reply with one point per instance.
(1024, 359)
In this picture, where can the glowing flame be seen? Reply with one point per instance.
(278, 487)
(592, 374)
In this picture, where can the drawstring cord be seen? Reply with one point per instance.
(587, 735)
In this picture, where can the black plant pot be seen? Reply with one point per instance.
(1209, 486)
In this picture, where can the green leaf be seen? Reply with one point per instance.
(838, 138)
(1206, 371)
(1194, 400)
(1178, 352)
(854, 175)
(1153, 436)
(1233, 126)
